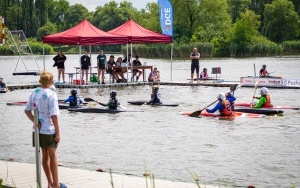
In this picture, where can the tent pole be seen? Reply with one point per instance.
(127, 62)
(171, 60)
(80, 64)
(90, 49)
(44, 56)
(131, 62)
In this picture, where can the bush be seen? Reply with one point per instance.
(5, 50)
(291, 47)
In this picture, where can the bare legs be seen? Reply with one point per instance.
(61, 72)
(86, 72)
(50, 166)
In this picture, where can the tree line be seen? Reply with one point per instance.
(233, 27)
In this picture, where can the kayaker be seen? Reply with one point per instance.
(264, 99)
(2, 84)
(263, 71)
(155, 96)
(224, 104)
(204, 74)
(113, 102)
(73, 100)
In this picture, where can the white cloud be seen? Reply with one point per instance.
(92, 4)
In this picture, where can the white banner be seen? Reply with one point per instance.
(250, 81)
(291, 82)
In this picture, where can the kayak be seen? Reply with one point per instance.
(67, 106)
(3, 90)
(235, 114)
(99, 110)
(21, 103)
(141, 102)
(273, 107)
(259, 111)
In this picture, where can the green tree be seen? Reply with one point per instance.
(29, 18)
(57, 11)
(48, 29)
(236, 7)
(14, 17)
(111, 15)
(151, 14)
(186, 17)
(75, 14)
(281, 22)
(41, 8)
(214, 21)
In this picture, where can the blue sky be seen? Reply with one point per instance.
(92, 4)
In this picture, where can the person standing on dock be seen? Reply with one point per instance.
(101, 61)
(195, 56)
(45, 101)
(60, 63)
(85, 65)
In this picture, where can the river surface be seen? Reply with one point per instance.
(264, 152)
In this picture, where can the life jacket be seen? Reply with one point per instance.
(155, 98)
(268, 103)
(113, 104)
(227, 108)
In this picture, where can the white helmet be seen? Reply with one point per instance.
(264, 91)
(221, 96)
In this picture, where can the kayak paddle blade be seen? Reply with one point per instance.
(196, 113)
(89, 100)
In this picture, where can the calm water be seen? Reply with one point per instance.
(264, 152)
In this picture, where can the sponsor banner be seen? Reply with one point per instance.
(250, 81)
(166, 16)
(291, 82)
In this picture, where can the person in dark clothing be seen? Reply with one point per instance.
(136, 72)
(85, 66)
(60, 63)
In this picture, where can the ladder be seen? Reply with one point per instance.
(17, 42)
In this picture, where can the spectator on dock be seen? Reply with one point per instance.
(136, 72)
(45, 101)
(59, 61)
(85, 65)
(195, 56)
(263, 71)
(110, 65)
(154, 76)
(127, 60)
(73, 99)
(120, 72)
(101, 61)
(2, 84)
(203, 74)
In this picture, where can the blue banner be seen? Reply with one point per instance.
(166, 16)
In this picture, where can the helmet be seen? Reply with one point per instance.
(155, 88)
(221, 96)
(73, 92)
(264, 66)
(264, 91)
(205, 69)
(113, 94)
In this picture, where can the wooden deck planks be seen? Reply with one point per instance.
(22, 175)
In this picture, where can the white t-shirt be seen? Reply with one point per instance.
(45, 100)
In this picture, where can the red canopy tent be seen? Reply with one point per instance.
(138, 34)
(84, 34)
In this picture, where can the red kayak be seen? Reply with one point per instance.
(273, 107)
(235, 114)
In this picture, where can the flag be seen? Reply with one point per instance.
(166, 16)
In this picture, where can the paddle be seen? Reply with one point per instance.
(92, 100)
(255, 86)
(198, 112)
